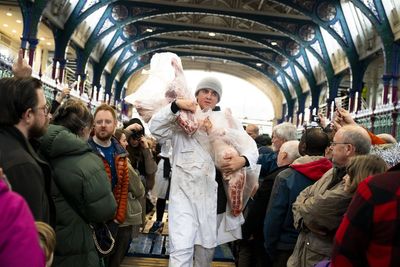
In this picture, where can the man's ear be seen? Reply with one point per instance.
(27, 116)
(302, 148)
(350, 150)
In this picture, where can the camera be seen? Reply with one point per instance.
(315, 118)
(136, 135)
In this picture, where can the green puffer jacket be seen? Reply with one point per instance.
(83, 196)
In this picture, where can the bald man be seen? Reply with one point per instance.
(252, 130)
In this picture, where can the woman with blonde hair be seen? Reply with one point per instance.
(47, 238)
(360, 167)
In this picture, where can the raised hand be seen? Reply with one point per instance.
(21, 68)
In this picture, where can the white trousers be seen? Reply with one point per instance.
(184, 258)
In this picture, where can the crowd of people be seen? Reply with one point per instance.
(327, 198)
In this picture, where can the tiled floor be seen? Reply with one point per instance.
(151, 249)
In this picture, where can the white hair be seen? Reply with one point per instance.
(285, 131)
(291, 148)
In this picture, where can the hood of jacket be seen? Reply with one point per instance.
(312, 166)
(59, 141)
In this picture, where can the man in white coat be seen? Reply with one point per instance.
(193, 193)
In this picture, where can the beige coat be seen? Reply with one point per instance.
(135, 192)
(317, 213)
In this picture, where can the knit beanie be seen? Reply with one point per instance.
(210, 83)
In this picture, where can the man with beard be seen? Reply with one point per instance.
(25, 116)
(115, 160)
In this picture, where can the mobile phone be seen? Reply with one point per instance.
(338, 102)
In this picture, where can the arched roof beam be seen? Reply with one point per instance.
(137, 67)
(305, 69)
(125, 58)
(375, 12)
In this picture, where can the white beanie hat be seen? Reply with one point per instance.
(210, 83)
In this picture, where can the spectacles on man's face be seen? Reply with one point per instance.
(45, 108)
(103, 122)
(340, 143)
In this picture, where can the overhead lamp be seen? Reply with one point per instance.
(18, 21)
(274, 43)
(9, 14)
(149, 30)
(259, 64)
(5, 25)
(211, 34)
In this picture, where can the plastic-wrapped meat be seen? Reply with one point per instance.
(235, 191)
(235, 182)
(165, 83)
(178, 88)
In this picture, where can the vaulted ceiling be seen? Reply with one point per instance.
(266, 42)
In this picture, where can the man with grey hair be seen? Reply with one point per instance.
(279, 233)
(319, 208)
(251, 247)
(281, 133)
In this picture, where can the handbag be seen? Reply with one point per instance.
(133, 211)
(104, 235)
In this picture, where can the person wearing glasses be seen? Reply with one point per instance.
(319, 209)
(25, 116)
(115, 161)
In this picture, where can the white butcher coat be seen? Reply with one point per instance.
(192, 208)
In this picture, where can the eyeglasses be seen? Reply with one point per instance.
(101, 122)
(45, 108)
(340, 143)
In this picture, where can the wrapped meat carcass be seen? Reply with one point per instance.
(165, 83)
(227, 138)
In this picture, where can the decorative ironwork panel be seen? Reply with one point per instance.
(326, 11)
(307, 33)
(127, 55)
(137, 46)
(88, 5)
(302, 62)
(280, 81)
(317, 48)
(119, 13)
(133, 66)
(371, 6)
(129, 31)
(293, 48)
(337, 27)
(283, 61)
(117, 43)
(106, 25)
(271, 70)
